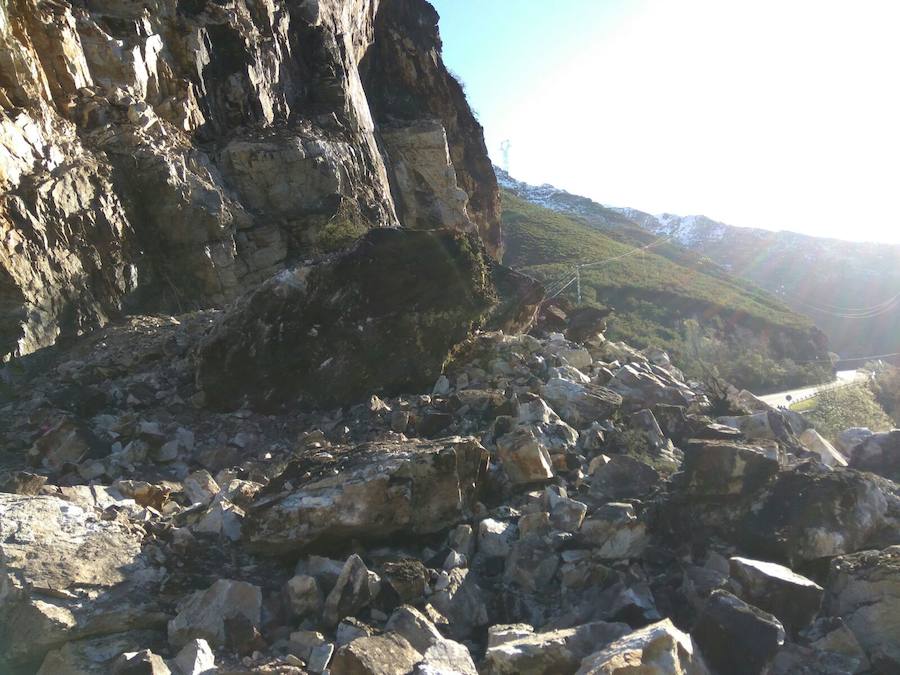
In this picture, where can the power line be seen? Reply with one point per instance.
(569, 283)
(838, 308)
(870, 312)
(626, 254)
(575, 274)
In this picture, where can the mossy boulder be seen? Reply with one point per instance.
(381, 317)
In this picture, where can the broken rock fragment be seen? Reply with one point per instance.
(206, 614)
(879, 453)
(388, 654)
(559, 651)
(350, 594)
(524, 457)
(580, 404)
(196, 658)
(657, 649)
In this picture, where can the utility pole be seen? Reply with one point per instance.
(578, 283)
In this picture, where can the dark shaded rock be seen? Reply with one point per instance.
(737, 638)
(803, 516)
(673, 421)
(792, 598)
(214, 615)
(433, 423)
(67, 442)
(864, 589)
(624, 477)
(586, 322)
(716, 468)
(242, 636)
(831, 635)
(350, 594)
(520, 296)
(460, 598)
(143, 662)
(879, 453)
(793, 659)
(552, 318)
(381, 317)
(407, 577)
(716, 432)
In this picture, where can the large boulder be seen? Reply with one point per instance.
(66, 574)
(644, 385)
(803, 516)
(735, 637)
(864, 589)
(879, 453)
(368, 492)
(383, 316)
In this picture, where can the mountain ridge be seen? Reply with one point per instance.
(853, 294)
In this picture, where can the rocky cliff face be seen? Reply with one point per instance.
(170, 154)
(407, 81)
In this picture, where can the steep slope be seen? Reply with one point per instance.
(850, 289)
(667, 297)
(164, 155)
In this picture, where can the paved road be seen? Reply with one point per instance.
(844, 377)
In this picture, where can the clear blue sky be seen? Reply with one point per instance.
(773, 113)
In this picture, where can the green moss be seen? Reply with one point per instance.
(340, 231)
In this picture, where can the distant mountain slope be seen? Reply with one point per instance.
(666, 296)
(851, 290)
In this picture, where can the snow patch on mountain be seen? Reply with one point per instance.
(687, 230)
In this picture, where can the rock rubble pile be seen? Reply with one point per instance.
(544, 507)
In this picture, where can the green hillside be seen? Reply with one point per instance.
(668, 297)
